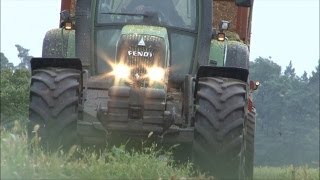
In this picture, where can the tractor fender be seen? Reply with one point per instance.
(237, 54)
(41, 63)
(226, 72)
(59, 43)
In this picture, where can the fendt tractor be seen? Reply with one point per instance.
(173, 71)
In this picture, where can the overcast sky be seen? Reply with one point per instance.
(281, 29)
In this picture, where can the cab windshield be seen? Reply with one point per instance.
(172, 13)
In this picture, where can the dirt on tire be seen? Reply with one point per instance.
(219, 121)
(54, 97)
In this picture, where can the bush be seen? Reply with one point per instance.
(14, 96)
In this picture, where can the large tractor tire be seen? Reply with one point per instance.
(248, 152)
(219, 120)
(53, 109)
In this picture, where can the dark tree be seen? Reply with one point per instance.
(264, 69)
(24, 56)
(290, 71)
(5, 64)
(14, 93)
(287, 115)
(314, 79)
(304, 78)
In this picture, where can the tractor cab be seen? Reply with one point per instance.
(135, 35)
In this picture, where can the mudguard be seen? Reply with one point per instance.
(237, 55)
(227, 72)
(73, 63)
(59, 43)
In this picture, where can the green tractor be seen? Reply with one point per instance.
(125, 69)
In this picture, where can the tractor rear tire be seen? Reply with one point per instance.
(53, 109)
(219, 120)
(56, 43)
(238, 55)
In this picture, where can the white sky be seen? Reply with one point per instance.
(287, 30)
(283, 29)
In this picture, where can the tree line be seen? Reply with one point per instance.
(287, 126)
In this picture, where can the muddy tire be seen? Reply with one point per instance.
(218, 130)
(248, 164)
(53, 108)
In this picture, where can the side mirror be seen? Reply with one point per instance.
(224, 25)
(244, 3)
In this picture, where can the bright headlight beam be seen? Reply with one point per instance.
(156, 74)
(121, 71)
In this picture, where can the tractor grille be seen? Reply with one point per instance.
(140, 52)
(139, 64)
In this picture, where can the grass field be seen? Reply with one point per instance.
(116, 163)
(286, 173)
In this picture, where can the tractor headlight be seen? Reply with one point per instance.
(121, 71)
(155, 74)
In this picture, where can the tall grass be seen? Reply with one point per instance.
(286, 173)
(116, 163)
(17, 162)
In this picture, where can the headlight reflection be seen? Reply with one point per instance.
(121, 71)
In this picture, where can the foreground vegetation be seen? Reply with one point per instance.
(289, 173)
(115, 163)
